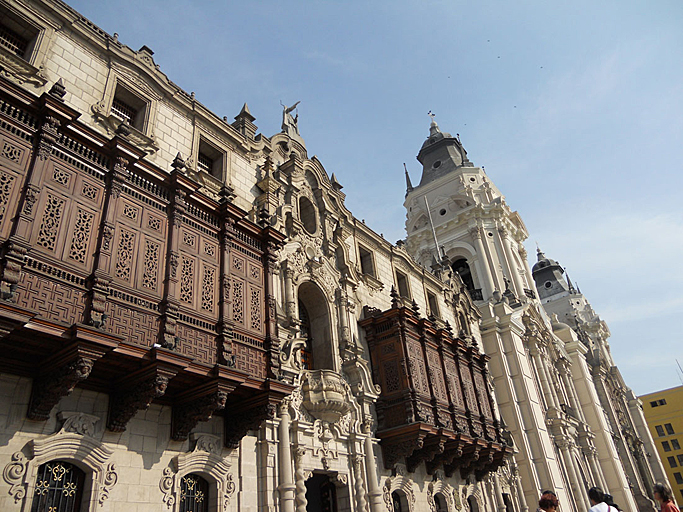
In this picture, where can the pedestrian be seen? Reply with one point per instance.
(548, 502)
(601, 502)
(664, 497)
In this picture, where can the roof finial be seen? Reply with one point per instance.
(409, 185)
(569, 281)
(539, 253)
(432, 115)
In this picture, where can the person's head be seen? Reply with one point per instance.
(610, 501)
(595, 495)
(548, 501)
(662, 493)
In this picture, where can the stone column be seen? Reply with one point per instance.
(374, 492)
(499, 493)
(345, 335)
(487, 284)
(576, 487)
(504, 235)
(290, 304)
(525, 260)
(361, 501)
(286, 487)
(592, 456)
(520, 493)
(540, 371)
(301, 501)
(563, 369)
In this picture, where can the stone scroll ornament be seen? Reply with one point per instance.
(14, 473)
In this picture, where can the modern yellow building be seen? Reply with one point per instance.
(664, 414)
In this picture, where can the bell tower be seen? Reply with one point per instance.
(479, 236)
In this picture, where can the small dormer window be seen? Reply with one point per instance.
(210, 159)
(129, 107)
(402, 283)
(123, 111)
(367, 265)
(16, 35)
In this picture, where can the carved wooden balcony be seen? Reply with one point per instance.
(435, 406)
(324, 395)
(126, 278)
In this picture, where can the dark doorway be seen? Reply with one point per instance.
(321, 494)
(461, 267)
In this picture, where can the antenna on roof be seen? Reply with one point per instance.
(680, 371)
(441, 256)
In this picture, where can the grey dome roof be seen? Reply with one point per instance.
(543, 262)
(435, 135)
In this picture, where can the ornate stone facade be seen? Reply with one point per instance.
(191, 317)
(573, 422)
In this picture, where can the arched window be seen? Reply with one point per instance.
(509, 507)
(400, 502)
(440, 502)
(315, 326)
(194, 494)
(59, 488)
(461, 267)
(307, 214)
(473, 504)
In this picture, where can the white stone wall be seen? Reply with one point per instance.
(140, 453)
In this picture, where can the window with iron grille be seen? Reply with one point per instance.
(210, 159)
(59, 488)
(16, 34)
(194, 494)
(204, 163)
(13, 41)
(129, 107)
(123, 111)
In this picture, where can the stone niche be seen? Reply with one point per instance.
(324, 395)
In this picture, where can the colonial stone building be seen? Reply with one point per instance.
(574, 422)
(192, 320)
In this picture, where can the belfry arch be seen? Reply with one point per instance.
(315, 322)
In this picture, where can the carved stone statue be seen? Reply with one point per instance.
(290, 124)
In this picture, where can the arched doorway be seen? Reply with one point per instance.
(323, 495)
(314, 317)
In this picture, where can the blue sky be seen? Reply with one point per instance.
(575, 110)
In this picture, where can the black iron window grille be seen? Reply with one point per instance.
(59, 488)
(194, 494)
(123, 111)
(13, 41)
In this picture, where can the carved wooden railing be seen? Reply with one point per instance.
(435, 406)
(106, 257)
